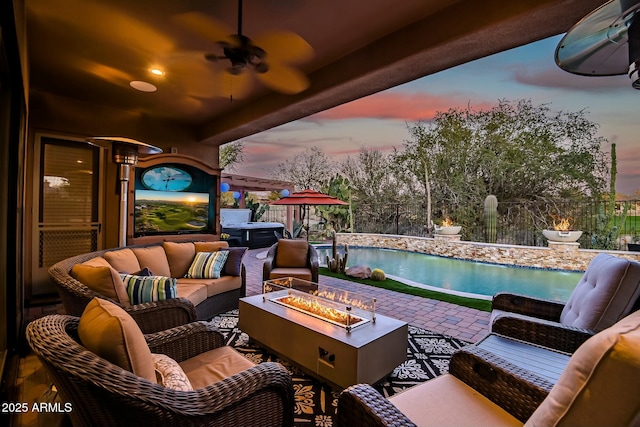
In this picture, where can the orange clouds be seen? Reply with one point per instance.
(395, 105)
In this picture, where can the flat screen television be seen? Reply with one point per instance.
(173, 199)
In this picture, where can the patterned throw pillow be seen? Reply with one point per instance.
(169, 373)
(149, 288)
(207, 265)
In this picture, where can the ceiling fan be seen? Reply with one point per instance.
(606, 42)
(270, 58)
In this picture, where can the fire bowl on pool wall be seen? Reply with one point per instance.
(562, 236)
(449, 230)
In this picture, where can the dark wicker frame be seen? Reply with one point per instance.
(514, 389)
(312, 262)
(545, 330)
(104, 394)
(151, 317)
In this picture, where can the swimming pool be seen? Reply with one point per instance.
(461, 276)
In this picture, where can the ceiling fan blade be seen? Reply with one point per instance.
(207, 27)
(284, 79)
(285, 46)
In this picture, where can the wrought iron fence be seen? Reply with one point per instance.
(517, 223)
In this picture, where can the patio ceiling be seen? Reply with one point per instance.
(90, 50)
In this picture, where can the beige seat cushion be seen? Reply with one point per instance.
(447, 401)
(300, 273)
(210, 246)
(123, 260)
(155, 259)
(215, 286)
(292, 253)
(105, 281)
(601, 384)
(214, 365)
(194, 292)
(179, 256)
(111, 333)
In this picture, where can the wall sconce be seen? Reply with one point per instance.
(224, 187)
(125, 154)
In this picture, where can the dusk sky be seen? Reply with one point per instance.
(528, 72)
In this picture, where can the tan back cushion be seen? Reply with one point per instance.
(601, 384)
(106, 281)
(180, 256)
(155, 259)
(292, 253)
(605, 294)
(111, 333)
(210, 246)
(123, 260)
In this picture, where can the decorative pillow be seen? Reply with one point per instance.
(111, 333)
(149, 288)
(179, 255)
(292, 253)
(155, 258)
(144, 272)
(104, 280)
(169, 373)
(207, 265)
(233, 265)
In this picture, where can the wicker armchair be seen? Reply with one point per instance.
(599, 386)
(608, 291)
(104, 394)
(151, 317)
(297, 258)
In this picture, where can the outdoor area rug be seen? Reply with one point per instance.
(428, 356)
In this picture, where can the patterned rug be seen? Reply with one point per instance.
(428, 356)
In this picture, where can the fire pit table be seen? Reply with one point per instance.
(333, 335)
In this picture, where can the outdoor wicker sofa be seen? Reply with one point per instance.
(198, 299)
(599, 386)
(608, 291)
(99, 392)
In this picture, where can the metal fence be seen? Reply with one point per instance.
(517, 223)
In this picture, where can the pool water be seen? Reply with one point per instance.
(464, 276)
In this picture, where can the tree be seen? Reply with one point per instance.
(309, 169)
(516, 150)
(231, 155)
(370, 176)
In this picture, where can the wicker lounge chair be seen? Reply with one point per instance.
(102, 393)
(599, 386)
(608, 291)
(291, 258)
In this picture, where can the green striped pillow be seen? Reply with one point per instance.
(149, 288)
(207, 265)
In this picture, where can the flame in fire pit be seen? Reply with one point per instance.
(447, 222)
(563, 225)
(317, 309)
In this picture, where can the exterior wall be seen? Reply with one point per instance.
(562, 256)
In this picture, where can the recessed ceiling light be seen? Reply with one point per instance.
(157, 71)
(143, 86)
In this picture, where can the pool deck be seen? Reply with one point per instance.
(450, 319)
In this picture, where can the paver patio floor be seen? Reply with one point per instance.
(437, 316)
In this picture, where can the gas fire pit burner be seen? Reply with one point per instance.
(321, 311)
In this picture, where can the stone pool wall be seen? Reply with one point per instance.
(562, 256)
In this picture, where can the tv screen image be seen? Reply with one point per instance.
(170, 212)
